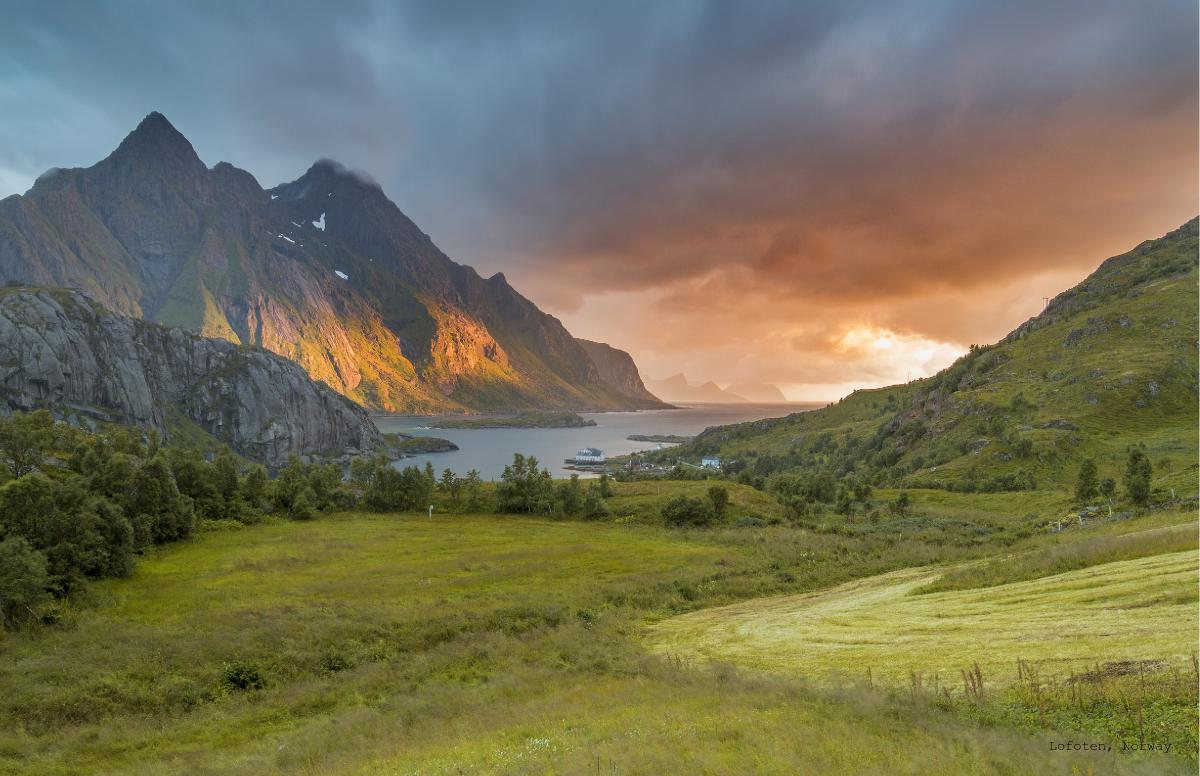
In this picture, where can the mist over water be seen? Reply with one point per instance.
(489, 450)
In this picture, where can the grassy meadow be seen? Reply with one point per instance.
(1126, 610)
(378, 644)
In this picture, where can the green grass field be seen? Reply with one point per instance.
(491, 644)
(1142, 609)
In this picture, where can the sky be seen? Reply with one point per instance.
(825, 196)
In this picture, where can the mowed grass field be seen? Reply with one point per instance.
(393, 644)
(1143, 609)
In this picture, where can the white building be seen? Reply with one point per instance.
(589, 455)
(710, 462)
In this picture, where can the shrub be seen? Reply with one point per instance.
(242, 676)
(684, 511)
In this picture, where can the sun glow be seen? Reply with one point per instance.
(896, 357)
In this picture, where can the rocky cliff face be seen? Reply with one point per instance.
(618, 370)
(324, 270)
(60, 350)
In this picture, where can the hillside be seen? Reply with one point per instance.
(61, 351)
(1109, 363)
(324, 270)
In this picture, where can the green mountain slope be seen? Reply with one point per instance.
(1110, 363)
(324, 270)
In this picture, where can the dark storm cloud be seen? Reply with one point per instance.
(802, 168)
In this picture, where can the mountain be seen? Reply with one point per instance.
(62, 351)
(677, 389)
(764, 393)
(324, 270)
(618, 370)
(1109, 363)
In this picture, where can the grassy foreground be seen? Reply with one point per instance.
(360, 644)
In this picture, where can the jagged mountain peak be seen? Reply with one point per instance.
(156, 138)
(326, 178)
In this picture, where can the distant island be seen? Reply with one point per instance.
(400, 445)
(671, 439)
(676, 388)
(520, 420)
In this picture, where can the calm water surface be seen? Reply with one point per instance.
(488, 450)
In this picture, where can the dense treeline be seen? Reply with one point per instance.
(78, 505)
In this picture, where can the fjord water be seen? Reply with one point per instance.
(488, 450)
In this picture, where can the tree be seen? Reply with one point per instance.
(1137, 477)
(23, 580)
(430, 479)
(23, 505)
(523, 488)
(1086, 486)
(1108, 488)
(844, 505)
(901, 505)
(570, 496)
(303, 505)
(196, 479)
(254, 486)
(160, 512)
(362, 469)
(396, 490)
(718, 496)
(291, 480)
(113, 476)
(81, 536)
(473, 488)
(594, 505)
(117, 532)
(451, 485)
(606, 490)
(225, 480)
(25, 441)
(325, 481)
(859, 488)
(683, 511)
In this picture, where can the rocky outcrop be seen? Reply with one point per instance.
(618, 370)
(60, 350)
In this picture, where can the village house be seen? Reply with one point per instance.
(589, 455)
